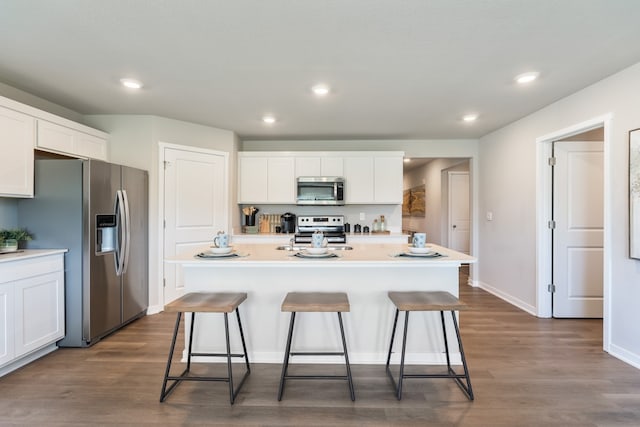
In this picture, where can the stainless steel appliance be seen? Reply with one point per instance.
(320, 190)
(288, 223)
(331, 225)
(99, 211)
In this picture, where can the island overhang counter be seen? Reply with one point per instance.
(365, 273)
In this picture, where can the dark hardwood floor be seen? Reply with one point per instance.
(525, 372)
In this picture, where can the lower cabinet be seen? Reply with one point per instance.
(31, 309)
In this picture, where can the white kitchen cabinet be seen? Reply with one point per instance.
(62, 139)
(31, 306)
(371, 177)
(264, 179)
(307, 166)
(252, 177)
(319, 166)
(358, 175)
(281, 183)
(16, 145)
(39, 311)
(7, 316)
(388, 180)
(331, 166)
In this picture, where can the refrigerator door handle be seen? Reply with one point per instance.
(121, 238)
(127, 228)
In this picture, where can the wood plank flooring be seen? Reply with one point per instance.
(525, 372)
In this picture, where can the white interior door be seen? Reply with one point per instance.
(195, 207)
(578, 212)
(459, 215)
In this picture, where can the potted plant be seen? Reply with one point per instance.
(9, 239)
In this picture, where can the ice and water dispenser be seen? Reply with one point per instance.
(106, 234)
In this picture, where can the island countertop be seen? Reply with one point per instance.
(374, 255)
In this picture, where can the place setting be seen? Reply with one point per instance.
(318, 248)
(220, 248)
(419, 248)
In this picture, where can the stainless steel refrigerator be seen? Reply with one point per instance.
(99, 211)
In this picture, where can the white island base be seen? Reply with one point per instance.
(366, 274)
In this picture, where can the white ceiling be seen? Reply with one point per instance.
(399, 68)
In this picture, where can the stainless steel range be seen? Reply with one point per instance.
(331, 225)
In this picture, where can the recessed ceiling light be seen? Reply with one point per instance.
(527, 77)
(131, 83)
(407, 159)
(269, 119)
(470, 117)
(320, 89)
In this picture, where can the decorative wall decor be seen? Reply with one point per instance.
(406, 203)
(634, 193)
(413, 203)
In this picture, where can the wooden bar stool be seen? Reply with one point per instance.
(315, 302)
(428, 301)
(205, 302)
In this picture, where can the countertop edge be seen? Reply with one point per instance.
(28, 254)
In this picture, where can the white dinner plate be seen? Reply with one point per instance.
(212, 255)
(430, 254)
(305, 254)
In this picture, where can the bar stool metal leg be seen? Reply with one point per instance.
(164, 392)
(468, 390)
(244, 346)
(393, 335)
(346, 359)
(285, 363)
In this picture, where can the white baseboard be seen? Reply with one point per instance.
(625, 355)
(155, 309)
(506, 297)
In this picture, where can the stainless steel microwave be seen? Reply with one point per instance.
(320, 190)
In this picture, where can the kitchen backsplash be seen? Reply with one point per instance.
(392, 213)
(8, 213)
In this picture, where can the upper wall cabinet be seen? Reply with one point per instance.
(23, 128)
(370, 177)
(61, 139)
(266, 179)
(387, 179)
(319, 166)
(16, 145)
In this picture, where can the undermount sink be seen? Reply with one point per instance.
(299, 248)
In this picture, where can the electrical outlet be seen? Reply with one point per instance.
(362, 216)
(489, 216)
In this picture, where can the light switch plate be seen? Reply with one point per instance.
(362, 216)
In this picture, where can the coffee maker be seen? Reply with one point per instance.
(288, 222)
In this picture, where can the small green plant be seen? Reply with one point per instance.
(19, 234)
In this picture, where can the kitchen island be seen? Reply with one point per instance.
(365, 273)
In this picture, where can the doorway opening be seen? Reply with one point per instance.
(438, 200)
(548, 207)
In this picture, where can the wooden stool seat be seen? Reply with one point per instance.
(203, 303)
(316, 302)
(426, 301)
(206, 302)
